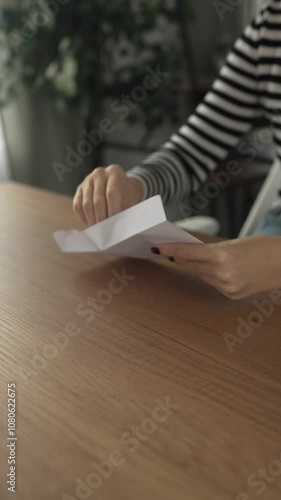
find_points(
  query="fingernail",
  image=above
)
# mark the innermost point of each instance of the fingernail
(171, 259)
(155, 250)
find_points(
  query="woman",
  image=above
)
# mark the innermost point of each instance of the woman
(249, 86)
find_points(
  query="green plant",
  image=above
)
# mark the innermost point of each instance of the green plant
(84, 52)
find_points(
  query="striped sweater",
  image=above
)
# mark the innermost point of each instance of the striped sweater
(248, 87)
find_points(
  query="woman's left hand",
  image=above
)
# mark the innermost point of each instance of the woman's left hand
(237, 268)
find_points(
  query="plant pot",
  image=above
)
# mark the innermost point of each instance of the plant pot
(37, 136)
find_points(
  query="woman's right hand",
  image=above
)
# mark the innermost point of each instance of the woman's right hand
(106, 192)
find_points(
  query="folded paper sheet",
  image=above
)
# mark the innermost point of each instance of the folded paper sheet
(131, 233)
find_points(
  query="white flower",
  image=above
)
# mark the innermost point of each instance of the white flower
(124, 54)
(51, 71)
(164, 34)
(65, 44)
(65, 80)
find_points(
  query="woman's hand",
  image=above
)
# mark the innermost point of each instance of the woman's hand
(237, 268)
(105, 192)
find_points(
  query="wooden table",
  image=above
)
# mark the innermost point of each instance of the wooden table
(92, 381)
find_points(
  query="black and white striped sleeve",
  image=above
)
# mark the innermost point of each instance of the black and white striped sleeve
(183, 163)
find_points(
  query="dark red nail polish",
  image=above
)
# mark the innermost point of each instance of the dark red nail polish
(171, 259)
(155, 250)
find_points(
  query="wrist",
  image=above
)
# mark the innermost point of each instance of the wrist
(139, 188)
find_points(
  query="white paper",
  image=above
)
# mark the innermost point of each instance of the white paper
(131, 233)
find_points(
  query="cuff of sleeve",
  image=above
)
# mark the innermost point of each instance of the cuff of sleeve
(145, 187)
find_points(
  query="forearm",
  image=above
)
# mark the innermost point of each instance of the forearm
(269, 275)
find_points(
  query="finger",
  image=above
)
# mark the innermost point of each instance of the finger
(190, 252)
(199, 268)
(77, 205)
(99, 195)
(87, 203)
(114, 199)
(204, 272)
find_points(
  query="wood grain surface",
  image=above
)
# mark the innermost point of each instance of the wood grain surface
(98, 360)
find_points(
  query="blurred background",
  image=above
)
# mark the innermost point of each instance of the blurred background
(73, 70)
